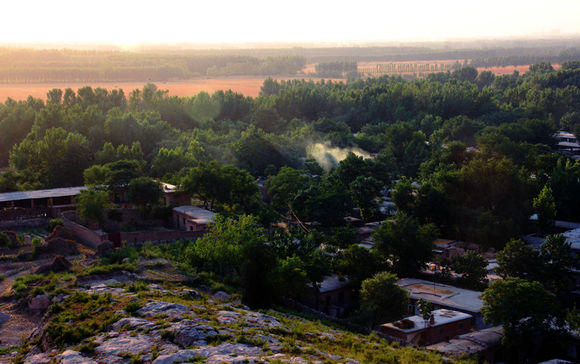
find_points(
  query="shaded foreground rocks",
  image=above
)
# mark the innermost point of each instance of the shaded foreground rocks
(58, 264)
(198, 330)
(59, 246)
(39, 303)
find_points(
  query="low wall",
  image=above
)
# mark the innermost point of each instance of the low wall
(140, 237)
(31, 223)
(86, 236)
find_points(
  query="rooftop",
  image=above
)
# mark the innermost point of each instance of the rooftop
(331, 283)
(471, 343)
(443, 294)
(168, 188)
(573, 237)
(38, 194)
(197, 214)
(442, 317)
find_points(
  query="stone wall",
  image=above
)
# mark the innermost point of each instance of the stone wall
(85, 235)
(31, 223)
(140, 237)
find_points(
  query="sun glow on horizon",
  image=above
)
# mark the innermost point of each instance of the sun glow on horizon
(130, 23)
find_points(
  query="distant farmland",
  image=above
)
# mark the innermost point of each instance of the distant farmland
(249, 86)
(421, 68)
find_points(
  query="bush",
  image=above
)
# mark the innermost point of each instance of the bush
(36, 242)
(54, 223)
(4, 240)
(132, 307)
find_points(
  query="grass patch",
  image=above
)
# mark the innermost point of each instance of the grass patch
(79, 317)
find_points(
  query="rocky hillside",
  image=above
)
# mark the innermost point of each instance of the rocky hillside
(115, 314)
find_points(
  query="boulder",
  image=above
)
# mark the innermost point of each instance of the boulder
(224, 353)
(58, 246)
(58, 264)
(39, 303)
(74, 357)
(188, 333)
(62, 232)
(124, 343)
(105, 247)
(133, 323)
(4, 317)
(181, 356)
(222, 296)
(164, 308)
(190, 293)
(41, 358)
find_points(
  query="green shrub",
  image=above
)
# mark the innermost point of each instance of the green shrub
(54, 223)
(36, 242)
(132, 307)
(4, 240)
(137, 286)
(80, 316)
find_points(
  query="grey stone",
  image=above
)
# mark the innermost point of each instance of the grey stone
(74, 357)
(190, 293)
(124, 344)
(164, 308)
(4, 317)
(224, 353)
(178, 357)
(41, 358)
(222, 296)
(228, 317)
(39, 303)
(133, 322)
(188, 333)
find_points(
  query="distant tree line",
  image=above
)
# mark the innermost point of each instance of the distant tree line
(28, 66)
(525, 59)
(336, 68)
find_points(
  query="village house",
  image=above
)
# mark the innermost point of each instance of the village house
(567, 143)
(441, 326)
(486, 344)
(445, 296)
(36, 206)
(334, 296)
(192, 218)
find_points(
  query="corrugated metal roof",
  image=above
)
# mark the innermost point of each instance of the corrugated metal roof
(29, 195)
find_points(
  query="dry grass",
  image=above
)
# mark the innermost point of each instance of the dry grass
(505, 70)
(249, 86)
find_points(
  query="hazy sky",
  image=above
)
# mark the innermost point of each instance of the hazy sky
(130, 22)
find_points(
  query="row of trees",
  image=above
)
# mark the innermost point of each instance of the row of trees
(28, 65)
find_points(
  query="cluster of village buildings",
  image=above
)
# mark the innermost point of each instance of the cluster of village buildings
(455, 326)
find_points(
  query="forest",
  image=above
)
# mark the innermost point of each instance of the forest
(464, 155)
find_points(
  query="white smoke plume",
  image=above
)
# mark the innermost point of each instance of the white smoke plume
(328, 157)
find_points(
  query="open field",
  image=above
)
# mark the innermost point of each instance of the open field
(503, 70)
(422, 67)
(249, 86)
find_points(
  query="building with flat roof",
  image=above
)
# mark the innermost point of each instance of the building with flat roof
(445, 296)
(567, 143)
(442, 326)
(25, 205)
(486, 344)
(192, 218)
